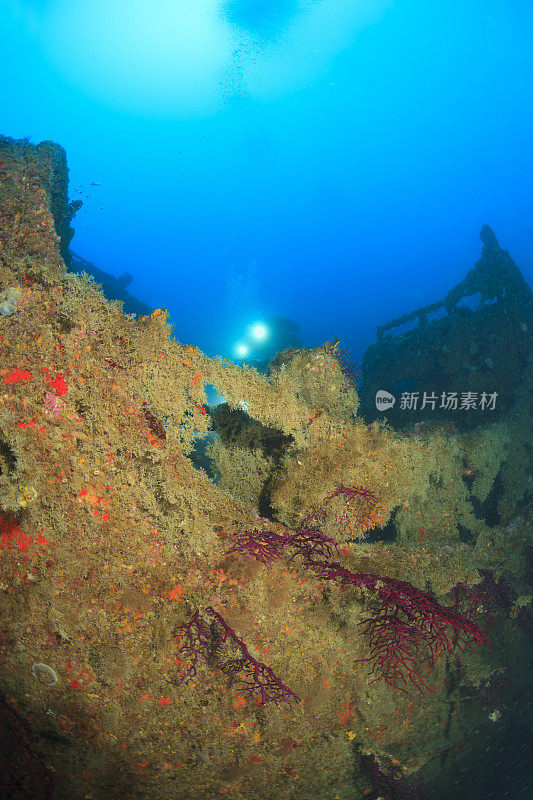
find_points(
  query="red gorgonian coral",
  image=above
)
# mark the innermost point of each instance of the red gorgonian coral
(253, 677)
(408, 629)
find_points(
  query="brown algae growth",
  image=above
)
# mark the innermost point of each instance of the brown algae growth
(112, 539)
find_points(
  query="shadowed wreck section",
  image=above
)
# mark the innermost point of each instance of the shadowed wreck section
(165, 635)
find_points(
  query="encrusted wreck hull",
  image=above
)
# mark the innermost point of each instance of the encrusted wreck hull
(112, 540)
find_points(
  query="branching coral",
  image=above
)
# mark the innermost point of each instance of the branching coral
(252, 676)
(410, 628)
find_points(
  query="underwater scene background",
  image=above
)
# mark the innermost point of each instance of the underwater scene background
(266, 400)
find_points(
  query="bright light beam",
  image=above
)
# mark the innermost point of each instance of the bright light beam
(259, 332)
(241, 350)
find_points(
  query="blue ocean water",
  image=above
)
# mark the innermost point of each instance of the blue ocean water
(329, 162)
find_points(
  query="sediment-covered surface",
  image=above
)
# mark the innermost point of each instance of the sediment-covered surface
(166, 636)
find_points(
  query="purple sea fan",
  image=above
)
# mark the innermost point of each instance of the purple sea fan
(264, 546)
(254, 677)
(196, 640)
(408, 621)
(311, 544)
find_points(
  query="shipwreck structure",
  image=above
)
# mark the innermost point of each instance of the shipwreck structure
(336, 616)
(476, 341)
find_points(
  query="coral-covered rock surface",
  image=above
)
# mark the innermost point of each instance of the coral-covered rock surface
(168, 634)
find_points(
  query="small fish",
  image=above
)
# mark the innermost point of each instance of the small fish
(95, 184)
